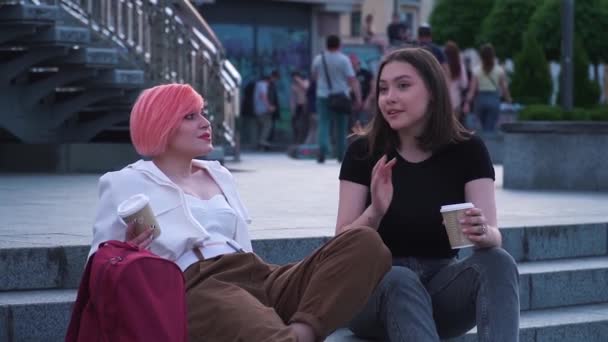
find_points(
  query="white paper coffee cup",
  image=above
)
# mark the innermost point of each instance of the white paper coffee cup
(451, 220)
(137, 209)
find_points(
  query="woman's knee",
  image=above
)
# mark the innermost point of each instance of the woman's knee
(496, 258)
(401, 282)
(368, 243)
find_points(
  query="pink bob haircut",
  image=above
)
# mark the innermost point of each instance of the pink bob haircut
(157, 114)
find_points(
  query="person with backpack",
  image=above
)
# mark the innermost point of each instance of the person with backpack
(335, 78)
(231, 294)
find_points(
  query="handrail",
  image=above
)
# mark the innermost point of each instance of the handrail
(171, 42)
(165, 40)
(193, 14)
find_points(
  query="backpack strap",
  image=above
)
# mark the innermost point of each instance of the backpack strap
(326, 72)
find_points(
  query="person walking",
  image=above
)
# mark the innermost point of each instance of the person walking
(457, 81)
(488, 85)
(300, 120)
(334, 74)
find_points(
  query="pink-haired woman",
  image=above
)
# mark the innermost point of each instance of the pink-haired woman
(232, 295)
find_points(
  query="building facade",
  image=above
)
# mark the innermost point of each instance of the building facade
(411, 12)
(260, 36)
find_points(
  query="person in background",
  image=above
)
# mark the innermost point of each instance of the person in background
(311, 97)
(396, 31)
(342, 76)
(425, 40)
(366, 80)
(413, 158)
(368, 30)
(231, 294)
(457, 81)
(300, 119)
(488, 84)
(263, 112)
(273, 98)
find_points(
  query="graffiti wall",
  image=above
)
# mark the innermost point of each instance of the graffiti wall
(257, 50)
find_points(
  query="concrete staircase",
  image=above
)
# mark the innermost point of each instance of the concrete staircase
(563, 284)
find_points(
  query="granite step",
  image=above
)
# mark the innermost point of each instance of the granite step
(537, 243)
(44, 316)
(556, 283)
(41, 315)
(543, 284)
(588, 323)
(45, 267)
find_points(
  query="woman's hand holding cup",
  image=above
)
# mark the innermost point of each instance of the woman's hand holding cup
(476, 229)
(141, 240)
(142, 226)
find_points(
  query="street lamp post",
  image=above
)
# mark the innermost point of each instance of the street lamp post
(566, 53)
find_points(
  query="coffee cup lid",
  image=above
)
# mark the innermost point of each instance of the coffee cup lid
(458, 206)
(132, 205)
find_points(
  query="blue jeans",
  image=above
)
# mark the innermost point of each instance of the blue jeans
(424, 299)
(487, 108)
(326, 116)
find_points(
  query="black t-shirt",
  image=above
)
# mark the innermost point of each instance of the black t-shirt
(412, 226)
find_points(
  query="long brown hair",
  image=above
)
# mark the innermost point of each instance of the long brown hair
(442, 127)
(452, 53)
(487, 57)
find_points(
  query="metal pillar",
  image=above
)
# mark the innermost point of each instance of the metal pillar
(566, 82)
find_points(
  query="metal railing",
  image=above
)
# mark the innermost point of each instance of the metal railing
(171, 42)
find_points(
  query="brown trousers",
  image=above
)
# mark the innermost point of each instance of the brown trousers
(239, 297)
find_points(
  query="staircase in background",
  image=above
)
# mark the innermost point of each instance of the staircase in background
(70, 70)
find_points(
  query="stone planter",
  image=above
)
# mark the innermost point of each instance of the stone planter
(556, 155)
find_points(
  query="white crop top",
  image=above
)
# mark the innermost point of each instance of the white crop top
(220, 221)
(215, 214)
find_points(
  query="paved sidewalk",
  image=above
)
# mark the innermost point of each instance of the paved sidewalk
(286, 198)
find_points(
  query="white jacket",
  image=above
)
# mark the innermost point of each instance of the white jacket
(180, 232)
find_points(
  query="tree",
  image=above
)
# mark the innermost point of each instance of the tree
(590, 21)
(531, 82)
(459, 20)
(505, 24)
(586, 91)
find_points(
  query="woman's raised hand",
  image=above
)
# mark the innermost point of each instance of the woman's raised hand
(142, 240)
(382, 185)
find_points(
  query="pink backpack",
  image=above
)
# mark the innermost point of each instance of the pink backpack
(129, 294)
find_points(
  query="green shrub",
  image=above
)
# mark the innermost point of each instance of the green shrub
(555, 113)
(577, 114)
(497, 27)
(459, 20)
(590, 22)
(599, 114)
(541, 113)
(531, 82)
